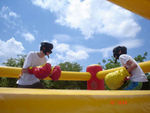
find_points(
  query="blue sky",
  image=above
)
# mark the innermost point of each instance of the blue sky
(82, 31)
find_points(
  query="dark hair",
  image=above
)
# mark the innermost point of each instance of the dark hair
(116, 51)
(46, 47)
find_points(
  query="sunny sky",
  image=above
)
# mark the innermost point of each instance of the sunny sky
(82, 31)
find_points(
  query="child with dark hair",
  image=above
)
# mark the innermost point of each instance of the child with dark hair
(137, 76)
(36, 67)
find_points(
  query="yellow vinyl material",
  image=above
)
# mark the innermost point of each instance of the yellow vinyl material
(115, 80)
(140, 7)
(15, 100)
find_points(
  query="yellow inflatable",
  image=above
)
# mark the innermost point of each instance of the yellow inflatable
(115, 80)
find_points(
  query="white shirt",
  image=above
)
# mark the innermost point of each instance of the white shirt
(31, 60)
(137, 74)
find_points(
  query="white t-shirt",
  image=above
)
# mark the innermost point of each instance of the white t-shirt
(137, 74)
(31, 60)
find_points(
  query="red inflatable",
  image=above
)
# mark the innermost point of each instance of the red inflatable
(40, 72)
(45, 70)
(94, 83)
(56, 72)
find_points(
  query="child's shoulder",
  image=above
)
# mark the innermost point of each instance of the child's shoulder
(32, 53)
(125, 56)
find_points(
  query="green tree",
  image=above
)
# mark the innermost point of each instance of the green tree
(13, 62)
(110, 63)
(67, 66)
(141, 58)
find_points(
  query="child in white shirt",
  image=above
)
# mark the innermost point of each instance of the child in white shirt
(34, 59)
(137, 76)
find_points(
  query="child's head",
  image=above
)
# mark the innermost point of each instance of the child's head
(46, 47)
(119, 50)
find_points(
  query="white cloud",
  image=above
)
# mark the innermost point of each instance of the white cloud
(62, 37)
(6, 13)
(10, 48)
(92, 17)
(9, 17)
(77, 55)
(13, 14)
(65, 52)
(28, 36)
(133, 43)
(52, 5)
(13, 21)
(74, 53)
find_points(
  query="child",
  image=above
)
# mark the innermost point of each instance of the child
(33, 59)
(137, 76)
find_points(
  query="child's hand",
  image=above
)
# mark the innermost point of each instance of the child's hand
(125, 66)
(25, 70)
(127, 78)
(128, 69)
(20, 76)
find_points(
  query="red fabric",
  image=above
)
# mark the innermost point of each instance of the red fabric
(56, 73)
(30, 70)
(41, 72)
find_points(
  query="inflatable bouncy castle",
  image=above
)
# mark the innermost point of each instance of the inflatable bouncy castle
(93, 100)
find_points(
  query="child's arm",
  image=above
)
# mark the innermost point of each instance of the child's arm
(131, 66)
